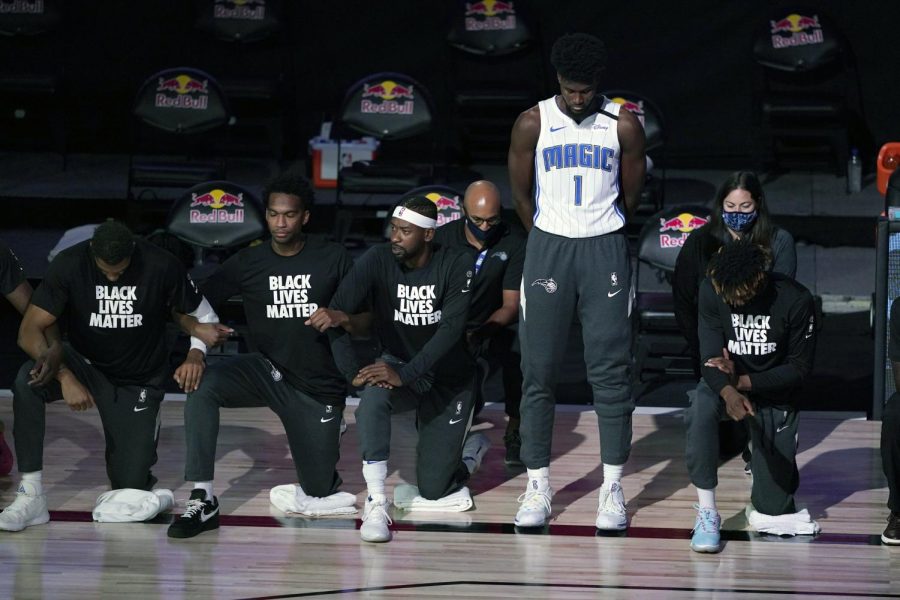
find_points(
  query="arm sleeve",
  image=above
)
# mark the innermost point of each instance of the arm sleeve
(801, 340)
(225, 281)
(784, 254)
(350, 295)
(512, 279)
(685, 291)
(450, 332)
(711, 335)
(11, 273)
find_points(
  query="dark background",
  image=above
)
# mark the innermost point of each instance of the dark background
(693, 58)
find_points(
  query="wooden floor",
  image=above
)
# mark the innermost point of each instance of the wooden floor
(260, 553)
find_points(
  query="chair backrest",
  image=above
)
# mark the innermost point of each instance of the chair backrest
(183, 101)
(387, 106)
(797, 41)
(489, 27)
(29, 17)
(241, 20)
(664, 234)
(217, 214)
(647, 112)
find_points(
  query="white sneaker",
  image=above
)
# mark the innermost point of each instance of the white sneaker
(611, 512)
(535, 508)
(376, 520)
(29, 508)
(476, 446)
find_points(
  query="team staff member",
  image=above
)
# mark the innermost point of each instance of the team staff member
(283, 284)
(585, 160)
(890, 434)
(497, 253)
(757, 340)
(17, 290)
(116, 293)
(420, 299)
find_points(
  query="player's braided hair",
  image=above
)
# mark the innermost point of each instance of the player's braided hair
(738, 271)
(112, 242)
(579, 57)
(293, 182)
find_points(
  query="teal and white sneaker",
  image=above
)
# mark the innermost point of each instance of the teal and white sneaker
(706, 535)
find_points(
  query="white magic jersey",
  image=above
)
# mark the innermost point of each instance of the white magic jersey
(576, 167)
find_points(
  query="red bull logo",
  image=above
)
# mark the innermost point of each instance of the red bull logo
(387, 97)
(182, 91)
(684, 224)
(636, 107)
(448, 208)
(250, 10)
(222, 207)
(796, 30)
(490, 15)
(22, 7)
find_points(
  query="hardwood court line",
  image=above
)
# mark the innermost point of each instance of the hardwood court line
(667, 533)
(580, 586)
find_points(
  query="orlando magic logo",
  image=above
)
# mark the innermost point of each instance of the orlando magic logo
(613, 279)
(547, 284)
(275, 373)
(501, 255)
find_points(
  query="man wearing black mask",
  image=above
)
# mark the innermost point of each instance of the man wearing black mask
(497, 254)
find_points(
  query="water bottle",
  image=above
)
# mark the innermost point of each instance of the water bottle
(854, 172)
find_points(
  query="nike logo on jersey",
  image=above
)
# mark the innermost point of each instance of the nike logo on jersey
(324, 420)
(782, 428)
(136, 409)
(611, 294)
(455, 421)
(555, 129)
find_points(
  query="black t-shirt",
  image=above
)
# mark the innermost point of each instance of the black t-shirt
(11, 273)
(279, 294)
(119, 326)
(419, 314)
(771, 338)
(501, 266)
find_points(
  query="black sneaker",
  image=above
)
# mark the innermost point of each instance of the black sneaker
(891, 533)
(513, 442)
(199, 516)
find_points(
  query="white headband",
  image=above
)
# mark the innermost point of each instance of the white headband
(401, 212)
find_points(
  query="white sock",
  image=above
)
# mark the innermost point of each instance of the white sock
(34, 478)
(206, 486)
(375, 472)
(541, 477)
(707, 498)
(612, 474)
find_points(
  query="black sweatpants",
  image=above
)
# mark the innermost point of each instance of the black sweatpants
(590, 277)
(500, 353)
(443, 415)
(129, 414)
(773, 432)
(313, 429)
(890, 449)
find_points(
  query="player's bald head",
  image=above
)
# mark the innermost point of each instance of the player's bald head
(482, 197)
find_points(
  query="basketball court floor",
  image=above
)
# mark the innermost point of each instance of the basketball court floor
(260, 552)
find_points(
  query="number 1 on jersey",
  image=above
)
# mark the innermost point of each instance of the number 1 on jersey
(577, 190)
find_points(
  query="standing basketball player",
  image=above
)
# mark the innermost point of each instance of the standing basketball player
(585, 160)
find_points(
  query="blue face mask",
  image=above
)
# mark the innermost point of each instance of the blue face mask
(739, 221)
(485, 237)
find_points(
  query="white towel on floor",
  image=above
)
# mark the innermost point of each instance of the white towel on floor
(129, 505)
(798, 523)
(291, 498)
(407, 497)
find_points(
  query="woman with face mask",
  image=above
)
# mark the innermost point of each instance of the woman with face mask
(740, 211)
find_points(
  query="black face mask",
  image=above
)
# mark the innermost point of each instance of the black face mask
(483, 236)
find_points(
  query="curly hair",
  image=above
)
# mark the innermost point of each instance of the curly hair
(738, 271)
(291, 182)
(112, 242)
(579, 57)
